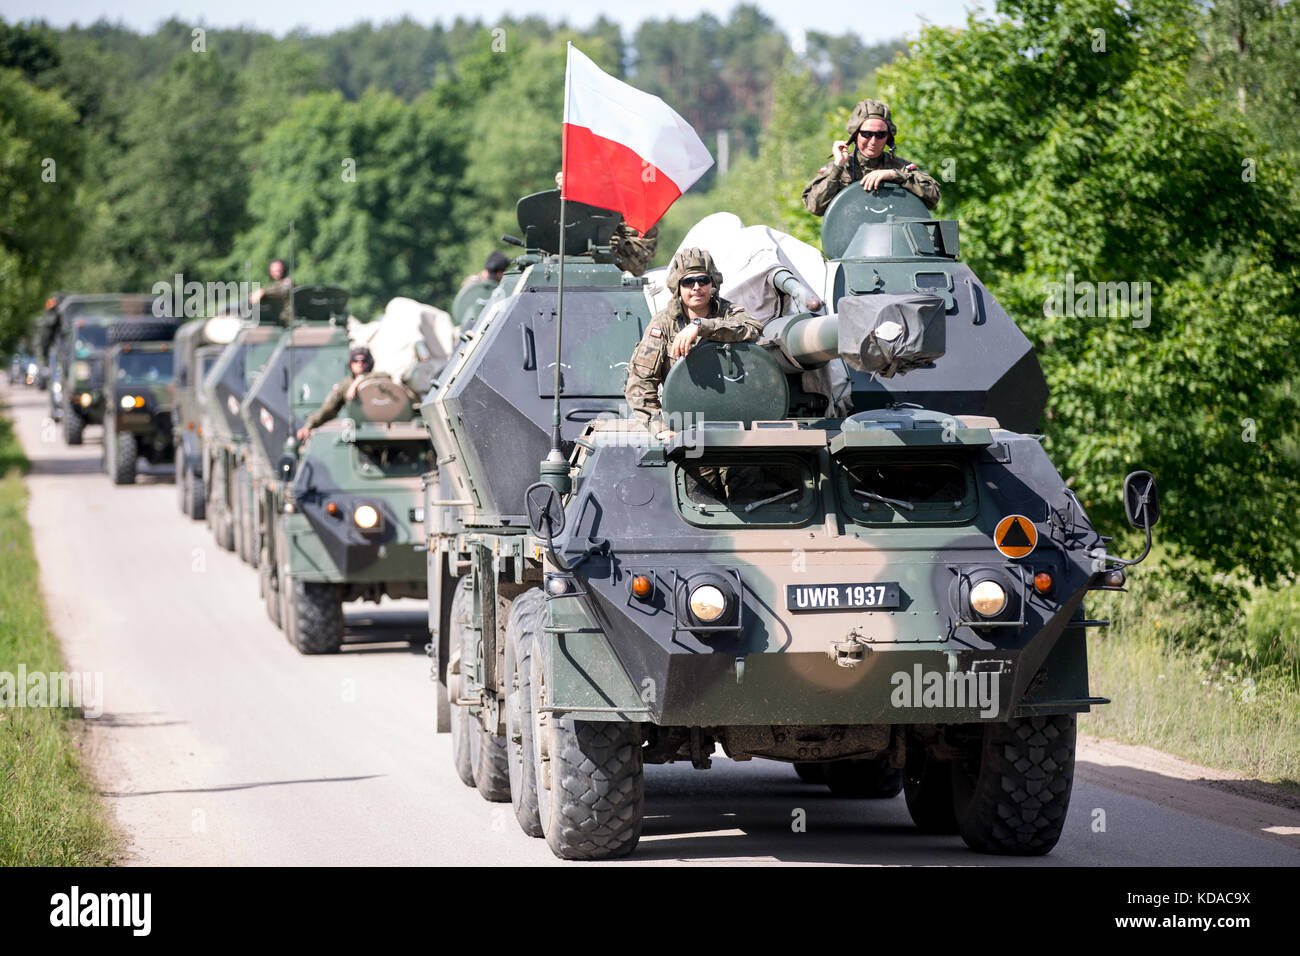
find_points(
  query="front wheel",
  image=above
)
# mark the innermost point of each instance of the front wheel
(316, 612)
(461, 720)
(1011, 790)
(522, 629)
(73, 424)
(590, 778)
(125, 452)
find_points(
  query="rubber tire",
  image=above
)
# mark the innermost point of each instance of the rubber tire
(461, 729)
(197, 494)
(270, 592)
(927, 788)
(487, 750)
(871, 779)
(316, 610)
(182, 482)
(810, 772)
(142, 330)
(523, 627)
(1011, 795)
(125, 452)
(595, 805)
(239, 524)
(73, 424)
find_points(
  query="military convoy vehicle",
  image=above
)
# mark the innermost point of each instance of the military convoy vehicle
(138, 405)
(892, 599)
(198, 345)
(339, 518)
(81, 337)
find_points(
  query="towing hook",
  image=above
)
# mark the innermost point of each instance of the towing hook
(851, 651)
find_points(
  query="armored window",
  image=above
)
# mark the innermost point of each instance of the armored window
(395, 457)
(745, 490)
(898, 490)
(144, 368)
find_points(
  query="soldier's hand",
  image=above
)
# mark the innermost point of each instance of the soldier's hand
(352, 389)
(303, 433)
(840, 150)
(665, 435)
(872, 180)
(683, 341)
(255, 296)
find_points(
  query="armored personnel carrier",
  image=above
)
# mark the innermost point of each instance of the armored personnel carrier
(887, 598)
(339, 518)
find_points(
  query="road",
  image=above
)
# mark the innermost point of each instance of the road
(220, 744)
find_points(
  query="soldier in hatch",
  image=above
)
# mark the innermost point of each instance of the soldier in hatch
(864, 158)
(697, 312)
(361, 366)
(275, 297)
(633, 251)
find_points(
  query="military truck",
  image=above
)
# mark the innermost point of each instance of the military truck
(888, 599)
(198, 345)
(82, 335)
(138, 403)
(340, 517)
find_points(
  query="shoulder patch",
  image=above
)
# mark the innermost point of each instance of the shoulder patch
(911, 167)
(656, 332)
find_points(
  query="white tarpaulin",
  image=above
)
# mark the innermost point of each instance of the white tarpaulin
(407, 334)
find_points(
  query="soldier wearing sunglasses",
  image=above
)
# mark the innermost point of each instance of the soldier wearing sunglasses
(697, 312)
(864, 158)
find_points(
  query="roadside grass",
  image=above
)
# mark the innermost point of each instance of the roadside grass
(1222, 690)
(50, 814)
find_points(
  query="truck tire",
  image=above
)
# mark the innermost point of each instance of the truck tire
(590, 778)
(461, 721)
(197, 494)
(270, 590)
(316, 610)
(524, 624)
(487, 749)
(73, 424)
(142, 330)
(872, 779)
(927, 788)
(125, 452)
(1012, 790)
(810, 772)
(182, 486)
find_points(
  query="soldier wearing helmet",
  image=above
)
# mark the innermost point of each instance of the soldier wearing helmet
(361, 366)
(696, 312)
(868, 157)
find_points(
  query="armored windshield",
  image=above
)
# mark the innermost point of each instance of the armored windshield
(144, 368)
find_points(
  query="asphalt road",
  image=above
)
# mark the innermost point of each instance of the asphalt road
(220, 744)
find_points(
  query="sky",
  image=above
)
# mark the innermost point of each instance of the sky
(874, 21)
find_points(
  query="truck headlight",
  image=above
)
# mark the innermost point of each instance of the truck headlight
(988, 598)
(81, 370)
(366, 516)
(707, 603)
(128, 401)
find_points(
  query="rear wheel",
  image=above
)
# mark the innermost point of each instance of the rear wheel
(927, 788)
(522, 628)
(182, 482)
(460, 718)
(590, 778)
(125, 452)
(270, 589)
(316, 611)
(1011, 790)
(873, 778)
(197, 495)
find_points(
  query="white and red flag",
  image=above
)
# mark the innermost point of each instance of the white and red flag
(624, 149)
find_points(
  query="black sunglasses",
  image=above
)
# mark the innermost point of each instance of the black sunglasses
(874, 133)
(691, 282)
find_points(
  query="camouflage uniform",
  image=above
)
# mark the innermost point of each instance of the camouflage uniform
(633, 252)
(335, 400)
(275, 299)
(830, 179)
(650, 361)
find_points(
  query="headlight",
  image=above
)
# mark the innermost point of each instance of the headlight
(988, 598)
(85, 399)
(81, 370)
(128, 401)
(707, 603)
(366, 516)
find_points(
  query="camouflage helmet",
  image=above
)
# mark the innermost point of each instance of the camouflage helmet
(865, 111)
(688, 262)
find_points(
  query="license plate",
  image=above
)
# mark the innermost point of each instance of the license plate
(878, 596)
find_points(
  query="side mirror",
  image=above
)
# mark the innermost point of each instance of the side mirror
(1141, 500)
(545, 510)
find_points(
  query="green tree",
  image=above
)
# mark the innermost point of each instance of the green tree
(40, 161)
(372, 188)
(1076, 148)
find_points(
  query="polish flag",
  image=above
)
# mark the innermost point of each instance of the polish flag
(624, 149)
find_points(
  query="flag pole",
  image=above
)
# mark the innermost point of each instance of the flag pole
(555, 469)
